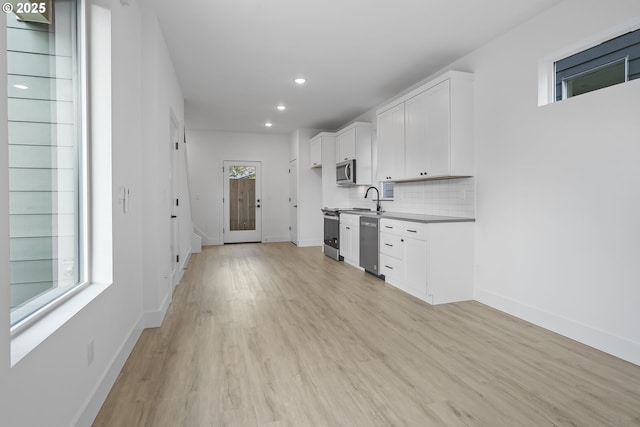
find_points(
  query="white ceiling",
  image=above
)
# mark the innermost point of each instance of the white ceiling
(236, 59)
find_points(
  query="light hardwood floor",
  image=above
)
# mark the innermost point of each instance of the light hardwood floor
(274, 335)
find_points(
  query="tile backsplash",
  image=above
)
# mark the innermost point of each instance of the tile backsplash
(449, 197)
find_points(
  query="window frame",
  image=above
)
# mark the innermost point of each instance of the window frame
(81, 183)
(565, 79)
(546, 64)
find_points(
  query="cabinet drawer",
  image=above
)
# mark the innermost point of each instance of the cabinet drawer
(350, 220)
(390, 226)
(391, 267)
(391, 244)
(414, 230)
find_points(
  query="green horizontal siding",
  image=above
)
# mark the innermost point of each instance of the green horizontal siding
(25, 156)
(33, 64)
(42, 225)
(40, 248)
(24, 133)
(23, 292)
(41, 180)
(43, 88)
(36, 110)
(32, 271)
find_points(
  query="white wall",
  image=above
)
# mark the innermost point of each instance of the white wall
(310, 221)
(206, 150)
(54, 384)
(557, 198)
(162, 99)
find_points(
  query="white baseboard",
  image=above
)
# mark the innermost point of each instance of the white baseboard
(196, 243)
(184, 265)
(99, 394)
(212, 242)
(153, 319)
(616, 346)
(272, 239)
(306, 243)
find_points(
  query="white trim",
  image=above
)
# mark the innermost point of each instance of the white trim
(306, 243)
(153, 319)
(601, 340)
(277, 238)
(98, 395)
(31, 337)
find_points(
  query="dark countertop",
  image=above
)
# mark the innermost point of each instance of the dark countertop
(409, 217)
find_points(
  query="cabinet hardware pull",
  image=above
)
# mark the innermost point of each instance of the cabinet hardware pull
(390, 268)
(412, 231)
(402, 240)
(348, 228)
(387, 226)
(386, 244)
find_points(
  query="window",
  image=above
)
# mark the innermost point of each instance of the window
(46, 189)
(612, 62)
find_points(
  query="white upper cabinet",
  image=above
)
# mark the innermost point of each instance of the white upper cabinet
(315, 152)
(435, 134)
(354, 142)
(391, 127)
(346, 145)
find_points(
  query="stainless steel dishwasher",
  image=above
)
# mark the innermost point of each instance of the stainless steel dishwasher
(369, 245)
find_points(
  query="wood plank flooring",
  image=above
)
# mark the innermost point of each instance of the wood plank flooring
(274, 335)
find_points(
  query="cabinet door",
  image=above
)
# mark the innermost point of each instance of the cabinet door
(416, 136)
(354, 234)
(346, 146)
(315, 154)
(345, 241)
(391, 144)
(414, 264)
(438, 119)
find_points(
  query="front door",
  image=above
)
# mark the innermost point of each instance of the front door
(242, 202)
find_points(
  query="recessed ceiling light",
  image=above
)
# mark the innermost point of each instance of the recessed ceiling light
(300, 80)
(268, 124)
(281, 107)
(23, 87)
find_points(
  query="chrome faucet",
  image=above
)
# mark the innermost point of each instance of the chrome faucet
(378, 207)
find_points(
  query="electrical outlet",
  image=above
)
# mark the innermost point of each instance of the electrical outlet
(90, 353)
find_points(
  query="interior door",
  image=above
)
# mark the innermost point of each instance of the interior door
(242, 202)
(293, 201)
(174, 185)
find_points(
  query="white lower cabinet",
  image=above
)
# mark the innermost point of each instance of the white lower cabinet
(350, 238)
(432, 261)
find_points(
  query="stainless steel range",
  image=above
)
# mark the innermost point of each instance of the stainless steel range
(332, 233)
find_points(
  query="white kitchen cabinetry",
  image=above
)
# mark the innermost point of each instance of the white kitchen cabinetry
(350, 238)
(354, 142)
(437, 135)
(346, 145)
(391, 143)
(432, 261)
(315, 152)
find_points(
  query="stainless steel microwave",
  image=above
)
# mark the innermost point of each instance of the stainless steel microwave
(346, 172)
